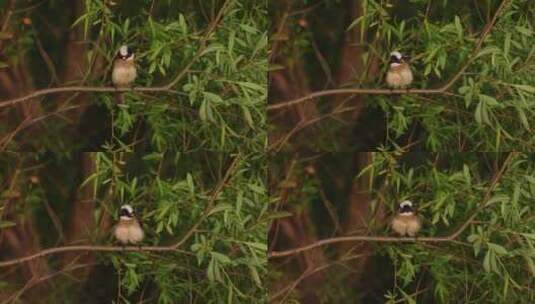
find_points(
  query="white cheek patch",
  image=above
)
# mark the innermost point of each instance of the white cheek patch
(396, 54)
(394, 64)
(128, 208)
(123, 50)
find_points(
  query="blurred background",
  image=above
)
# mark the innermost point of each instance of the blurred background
(321, 196)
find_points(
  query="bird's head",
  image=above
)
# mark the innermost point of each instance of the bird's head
(396, 58)
(126, 213)
(406, 208)
(125, 53)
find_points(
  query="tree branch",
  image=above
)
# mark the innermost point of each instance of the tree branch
(363, 238)
(173, 247)
(441, 90)
(35, 94)
(55, 250)
(163, 88)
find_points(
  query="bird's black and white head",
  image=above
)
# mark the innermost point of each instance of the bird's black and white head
(396, 58)
(126, 213)
(406, 208)
(125, 53)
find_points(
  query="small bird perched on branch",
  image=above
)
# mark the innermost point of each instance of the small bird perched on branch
(406, 222)
(128, 229)
(124, 70)
(399, 73)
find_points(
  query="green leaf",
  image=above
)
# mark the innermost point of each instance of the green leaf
(191, 185)
(489, 100)
(223, 259)
(211, 270)
(524, 30)
(478, 116)
(497, 198)
(458, 27)
(525, 87)
(529, 235)
(253, 86)
(500, 250)
(279, 214)
(220, 207)
(486, 261)
(472, 238)
(257, 245)
(255, 275)
(247, 116)
(213, 97)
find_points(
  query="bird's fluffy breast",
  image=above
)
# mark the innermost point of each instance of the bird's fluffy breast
(123, 73)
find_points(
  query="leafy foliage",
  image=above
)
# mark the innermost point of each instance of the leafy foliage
(189, 158)
(214, 55)
(490, 108)
(490, 261)
(212, 202)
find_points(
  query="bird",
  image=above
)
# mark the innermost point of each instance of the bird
(406, 222)
(124, 69)
(399, 73)
(128, 230)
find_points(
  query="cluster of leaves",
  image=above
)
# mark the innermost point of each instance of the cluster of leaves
(490, 261)
(214, 202)
(496, 251)
(220, 105)
(489, 108)
(172, 194)
(214, 54)
(169, 152)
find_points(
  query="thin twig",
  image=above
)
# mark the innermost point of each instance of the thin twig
(441, 90)
(364, 238)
